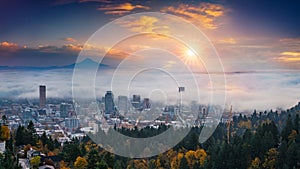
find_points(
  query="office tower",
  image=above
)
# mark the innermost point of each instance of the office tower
(146, 103)
(122, 104)
(136, 101)
(64, 110)
(42, 96)
(109, 103)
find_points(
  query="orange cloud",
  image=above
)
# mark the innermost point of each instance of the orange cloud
(230, 41)
(289, 56)
(203, 15)
(147, 24)
(294, 54)
(6, 44)
(71, 40)
(121, 9)
(71, 47)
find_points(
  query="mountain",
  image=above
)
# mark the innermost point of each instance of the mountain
(83, 64)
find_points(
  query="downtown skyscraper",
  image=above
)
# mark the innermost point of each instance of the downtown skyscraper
(42, 99)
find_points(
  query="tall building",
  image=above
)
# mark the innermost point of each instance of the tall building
(136, 101)
(122, 104)
(64, 110)
(42, 96)
(146, 103)
(109, 103)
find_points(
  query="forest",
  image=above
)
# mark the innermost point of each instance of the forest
(267, 140)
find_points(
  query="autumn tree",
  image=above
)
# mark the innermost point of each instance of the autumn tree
(35, 161)
(270, 159)
(255, 164)
(5, 132)
(80, 163)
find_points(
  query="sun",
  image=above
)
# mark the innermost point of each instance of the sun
(190, 53)
(189, 57)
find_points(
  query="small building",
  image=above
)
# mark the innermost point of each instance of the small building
(32, 153)
(2, 147)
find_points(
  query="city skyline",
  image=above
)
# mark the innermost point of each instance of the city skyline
(259, 49)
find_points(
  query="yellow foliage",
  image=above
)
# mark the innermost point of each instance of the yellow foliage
(176, 161)
(270, 159)
(80, 163)
(63, 165)
(293, 135)
(190, 157)
(245, 124)
(5, 135)
(35, 161)
(141, 164)
(201, 155)
(255, 164)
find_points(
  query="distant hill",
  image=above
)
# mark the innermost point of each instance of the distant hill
(83, 64)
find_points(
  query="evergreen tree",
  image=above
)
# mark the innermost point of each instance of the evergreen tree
(183, 163)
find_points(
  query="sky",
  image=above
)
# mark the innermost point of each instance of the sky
(258, 43)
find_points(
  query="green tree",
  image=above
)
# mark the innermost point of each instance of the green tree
(183, 163)
(93, 158)
(102, 165)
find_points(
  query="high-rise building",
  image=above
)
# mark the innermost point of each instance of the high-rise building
(136, 101)
(42, 96)
(123, 104)
(109, 103)
(64, 110)
(146, 103)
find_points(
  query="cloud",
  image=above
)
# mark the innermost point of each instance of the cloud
(102, 1)
(64, 2)
(289, 56)
(294, 54)
(38, 56)
(204, 15)
(71, 40)
(72, 48)
(8, 45)
(230, 41)
(144, 24)
(121, 9)
(290, 40)
(247, 91)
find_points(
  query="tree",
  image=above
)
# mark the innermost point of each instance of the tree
(287, 129)
(176, 161)
(5, 133)
(63, 165)
(35, 161)
(201, 155)
(93, 158)
(183, 163)
(190, 157)
(270, 159)
(102, 165)
(80, 163)
(255, 164)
